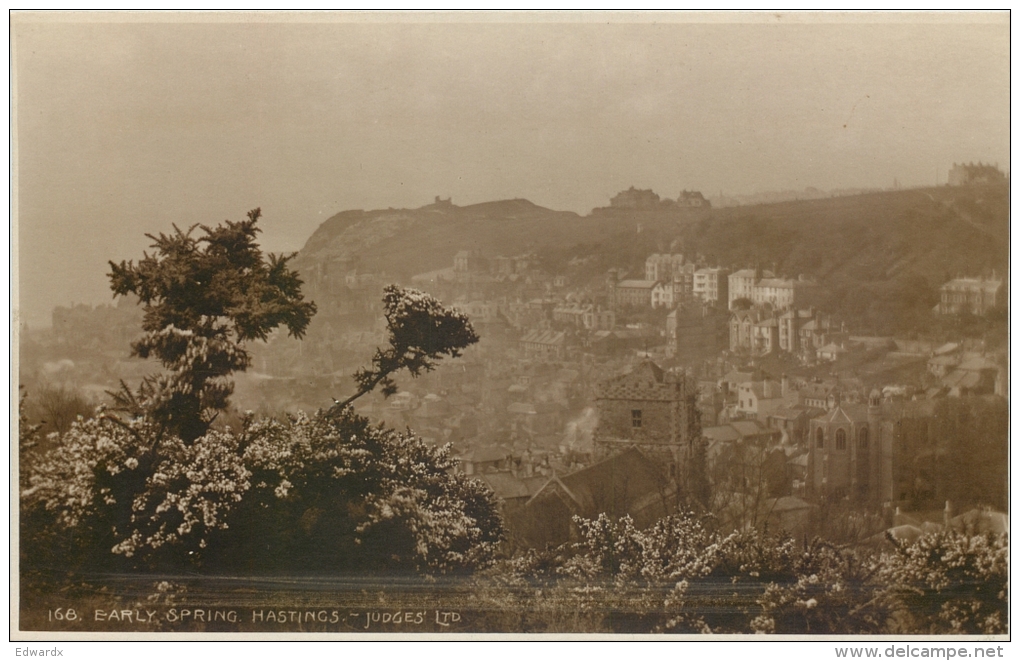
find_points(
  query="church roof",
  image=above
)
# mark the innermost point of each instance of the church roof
(848, 413)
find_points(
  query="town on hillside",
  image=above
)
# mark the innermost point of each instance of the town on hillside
(641, 386)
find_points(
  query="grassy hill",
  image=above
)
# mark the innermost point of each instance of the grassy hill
(881, 256)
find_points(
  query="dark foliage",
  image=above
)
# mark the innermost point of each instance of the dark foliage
(203, 299)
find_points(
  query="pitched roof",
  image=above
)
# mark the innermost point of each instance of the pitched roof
(799, 460)
(977, 363)
(636, 284)
(646, 370)
(487, 453)
(787, 413)
(845, 413)
(534, 483)
(777, 282)
(817, 390)
(544, 337)
(505, 485)
(789, 503)
(614, 485)
(962, 379)
(721, 433)
(758, 388)
(735, 376)
(748, 427)
(978, 521)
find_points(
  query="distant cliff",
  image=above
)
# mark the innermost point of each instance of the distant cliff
(895, 245)
(403, 242)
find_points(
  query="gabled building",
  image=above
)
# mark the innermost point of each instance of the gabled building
(869, 454)
(662, 295)
(843, 460)
(758, 399)
(624, 484)
(630, 293)
(546, 344)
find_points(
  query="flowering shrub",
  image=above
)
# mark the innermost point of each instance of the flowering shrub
(189, 494)
(828, 590)
(140, 492)
(677, 576)
(952, 583)
(321, 492)
(361, 497)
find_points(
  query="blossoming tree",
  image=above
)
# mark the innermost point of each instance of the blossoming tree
(162, 489)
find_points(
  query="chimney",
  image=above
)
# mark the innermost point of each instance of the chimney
(947, 514)
(784, 385)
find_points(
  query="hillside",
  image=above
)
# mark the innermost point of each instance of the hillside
(881, 255)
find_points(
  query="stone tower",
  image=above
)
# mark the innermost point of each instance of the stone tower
(656, 412)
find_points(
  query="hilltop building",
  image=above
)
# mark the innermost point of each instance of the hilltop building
(962, 175)
(973, 295)
(692, 199)
(634, 198)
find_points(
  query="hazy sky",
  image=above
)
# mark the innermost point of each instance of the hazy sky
(125, 128)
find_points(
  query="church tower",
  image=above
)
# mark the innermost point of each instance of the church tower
(656, 412)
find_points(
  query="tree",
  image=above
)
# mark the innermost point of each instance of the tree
(204, 298)
(327, 491)
(742, 303)
(421, 331)
(59, 406)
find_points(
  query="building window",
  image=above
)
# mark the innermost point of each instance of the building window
(820, 439)
(635, 418)
(840, 439)
(862, 440)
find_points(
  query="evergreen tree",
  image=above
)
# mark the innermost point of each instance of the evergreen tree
(204, 298)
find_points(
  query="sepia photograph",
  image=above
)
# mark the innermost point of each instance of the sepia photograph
(511, 326)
